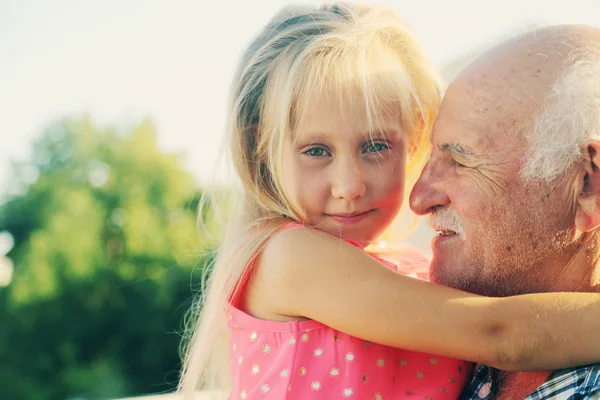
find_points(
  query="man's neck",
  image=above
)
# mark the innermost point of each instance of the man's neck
(578, 271)
(581, 273)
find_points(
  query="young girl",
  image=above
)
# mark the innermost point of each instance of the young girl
(330, 108)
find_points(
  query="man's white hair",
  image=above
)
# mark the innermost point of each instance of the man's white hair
(570, 117)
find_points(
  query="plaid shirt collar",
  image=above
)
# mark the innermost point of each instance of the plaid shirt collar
(572, 384)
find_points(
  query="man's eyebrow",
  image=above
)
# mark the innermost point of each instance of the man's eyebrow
(455, 149)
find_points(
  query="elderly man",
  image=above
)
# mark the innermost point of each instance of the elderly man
(513, 187)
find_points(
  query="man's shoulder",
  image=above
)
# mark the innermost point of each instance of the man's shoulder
(573, 383)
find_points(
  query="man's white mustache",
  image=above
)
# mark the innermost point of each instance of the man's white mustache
(446, 219)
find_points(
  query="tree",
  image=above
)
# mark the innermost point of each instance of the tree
(105, 253)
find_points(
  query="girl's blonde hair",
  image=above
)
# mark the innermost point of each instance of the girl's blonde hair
(367, 58)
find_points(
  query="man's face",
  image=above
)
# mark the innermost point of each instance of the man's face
(495, 230)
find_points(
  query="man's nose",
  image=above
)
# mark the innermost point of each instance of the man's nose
(428, 193)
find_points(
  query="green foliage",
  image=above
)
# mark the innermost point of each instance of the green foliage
(105, 253)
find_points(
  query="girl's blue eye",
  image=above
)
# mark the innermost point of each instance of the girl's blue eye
(376, 147)
(316, 152)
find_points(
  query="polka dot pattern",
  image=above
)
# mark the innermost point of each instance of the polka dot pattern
(308, 360)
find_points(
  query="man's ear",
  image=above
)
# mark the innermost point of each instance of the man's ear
(587, 217)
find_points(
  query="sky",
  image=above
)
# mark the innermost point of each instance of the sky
(118, 61)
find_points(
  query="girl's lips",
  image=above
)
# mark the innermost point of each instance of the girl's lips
(350, 218)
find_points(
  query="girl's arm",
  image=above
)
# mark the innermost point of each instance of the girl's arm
(311, 274)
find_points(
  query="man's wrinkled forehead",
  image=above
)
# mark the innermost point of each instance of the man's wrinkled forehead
(495, 100)
(464, 117)
(514, 79)
(492, 101)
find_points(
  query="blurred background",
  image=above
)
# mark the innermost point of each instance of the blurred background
(111, 119)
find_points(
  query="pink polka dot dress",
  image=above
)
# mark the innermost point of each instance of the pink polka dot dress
(309, 360)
